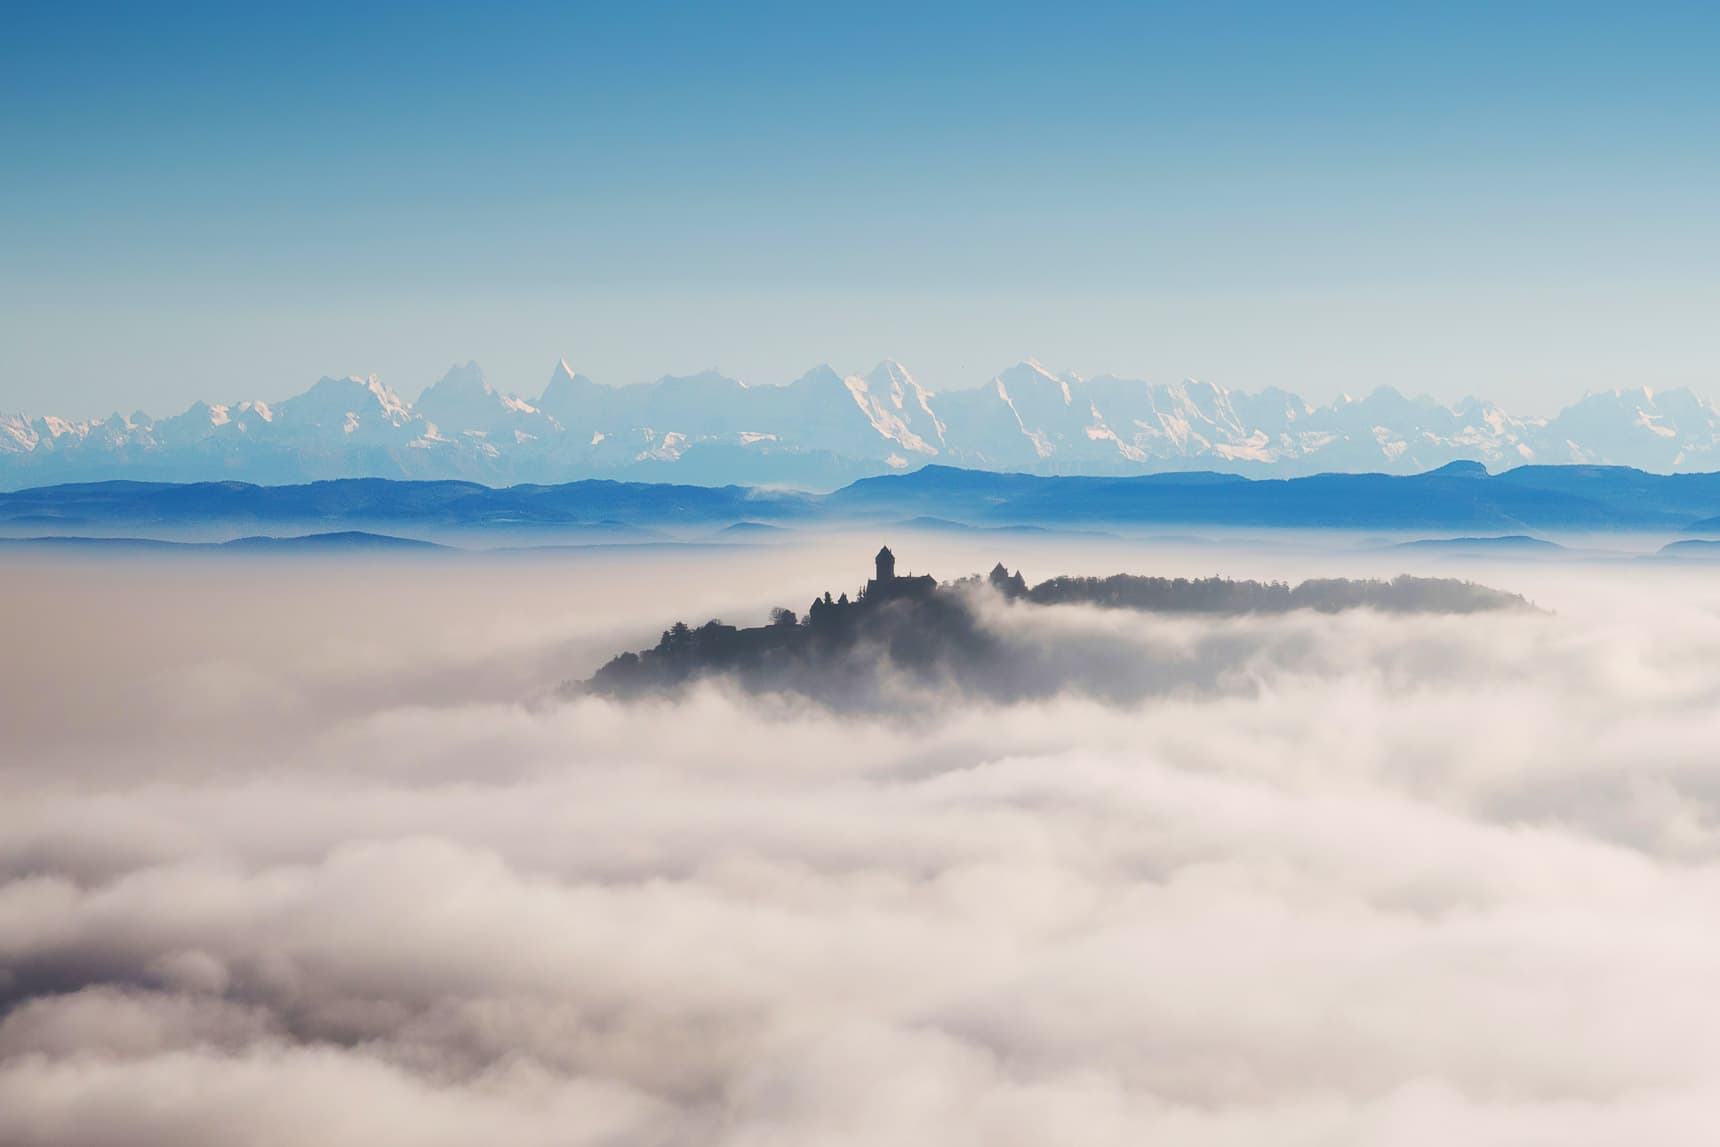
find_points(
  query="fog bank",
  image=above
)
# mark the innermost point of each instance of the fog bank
(313, 856)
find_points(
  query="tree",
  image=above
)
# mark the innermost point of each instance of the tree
(783, 617)
(676, 638)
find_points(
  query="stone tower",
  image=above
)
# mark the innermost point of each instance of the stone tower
(886, 566)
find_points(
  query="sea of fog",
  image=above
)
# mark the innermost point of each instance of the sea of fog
(309, 851)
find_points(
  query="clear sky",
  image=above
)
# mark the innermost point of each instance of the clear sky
(1520, 200)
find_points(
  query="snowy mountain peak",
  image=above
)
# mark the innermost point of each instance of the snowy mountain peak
(1029, 369)
(467, 376)
(891, 373)
(822, 375)
(349, 403)
(826, 428)
(463, 401)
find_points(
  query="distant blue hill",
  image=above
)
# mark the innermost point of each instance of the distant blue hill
(345, 541)
(342, 540)
(376, 501)
(1509, 544)
(754, 528)
(1706, 549)
(1460, 498)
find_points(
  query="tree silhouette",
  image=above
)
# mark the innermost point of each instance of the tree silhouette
(938, 635)
(677, 638)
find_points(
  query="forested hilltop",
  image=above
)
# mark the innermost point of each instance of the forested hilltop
(840, 649)
(1402, 594)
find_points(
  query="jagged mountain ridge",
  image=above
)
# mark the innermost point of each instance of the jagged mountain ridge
(826, 429)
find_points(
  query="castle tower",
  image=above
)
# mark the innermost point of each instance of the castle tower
(886, 566)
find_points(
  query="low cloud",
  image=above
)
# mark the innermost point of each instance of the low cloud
(1322, 879)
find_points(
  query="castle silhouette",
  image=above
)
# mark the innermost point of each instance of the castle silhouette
(885, 584)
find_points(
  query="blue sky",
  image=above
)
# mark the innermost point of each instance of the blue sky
(221, 201)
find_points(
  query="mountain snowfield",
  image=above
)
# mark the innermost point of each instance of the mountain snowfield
(824, 429)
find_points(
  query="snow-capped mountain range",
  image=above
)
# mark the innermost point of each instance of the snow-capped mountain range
(825, 429)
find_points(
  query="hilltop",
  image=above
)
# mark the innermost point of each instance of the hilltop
(843, 651)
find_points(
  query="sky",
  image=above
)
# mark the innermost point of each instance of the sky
(229, 201)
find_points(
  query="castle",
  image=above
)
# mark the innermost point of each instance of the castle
(887, 585)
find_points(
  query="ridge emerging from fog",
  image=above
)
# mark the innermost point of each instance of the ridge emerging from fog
(905, 638)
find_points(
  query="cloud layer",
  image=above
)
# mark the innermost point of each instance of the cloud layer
(313, 861)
